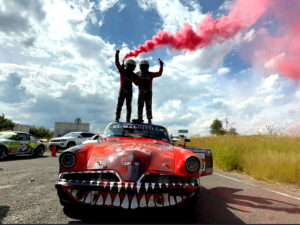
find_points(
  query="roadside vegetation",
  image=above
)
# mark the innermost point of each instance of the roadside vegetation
(270, 157)
(267, 158)
(39, 132)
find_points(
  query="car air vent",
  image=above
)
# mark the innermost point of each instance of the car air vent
(91, 176)
(166, 179)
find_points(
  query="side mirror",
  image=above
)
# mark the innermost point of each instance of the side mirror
(79, 136)
(185, 141)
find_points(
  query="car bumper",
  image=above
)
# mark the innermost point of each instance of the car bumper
(58, 146)
(127, 195)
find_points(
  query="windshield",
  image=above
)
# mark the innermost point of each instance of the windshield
(137, 130)
(7, 136)
(95, 137)
(71, 135)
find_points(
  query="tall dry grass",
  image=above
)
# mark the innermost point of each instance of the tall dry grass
(268, 158)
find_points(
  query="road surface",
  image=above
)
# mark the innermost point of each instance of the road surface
(28, 195)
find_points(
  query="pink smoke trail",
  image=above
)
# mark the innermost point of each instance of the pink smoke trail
(243, 14)
(280, 52)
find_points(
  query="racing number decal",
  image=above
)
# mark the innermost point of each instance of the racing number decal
(24, 147)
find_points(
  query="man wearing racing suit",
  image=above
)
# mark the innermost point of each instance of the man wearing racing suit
(144, 82)
(126, 77)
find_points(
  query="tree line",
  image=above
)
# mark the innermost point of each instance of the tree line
(216, 128)
(39, 132)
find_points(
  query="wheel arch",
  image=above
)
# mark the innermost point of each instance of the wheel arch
(5, 148)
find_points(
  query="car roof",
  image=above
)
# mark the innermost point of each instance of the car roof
(79, 132)
(13, 132)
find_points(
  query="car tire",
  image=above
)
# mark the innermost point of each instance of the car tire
(70, 144)
(39, 151)
(3, 152)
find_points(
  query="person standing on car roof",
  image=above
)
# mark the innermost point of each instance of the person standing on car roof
(126, 77)
(144, 82)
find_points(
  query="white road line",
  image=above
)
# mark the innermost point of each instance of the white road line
(221, 175)
(6, 186)
(267, 189)
(280, 193)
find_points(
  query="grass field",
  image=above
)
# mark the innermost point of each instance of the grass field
(266, 158)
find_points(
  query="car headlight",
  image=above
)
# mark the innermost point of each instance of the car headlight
(67, 160)
(192, 164)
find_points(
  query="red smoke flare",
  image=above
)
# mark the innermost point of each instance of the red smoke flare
(243, 14)
(280, 52)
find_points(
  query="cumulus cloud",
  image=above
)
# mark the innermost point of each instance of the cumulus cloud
(51, 69)
(189, 12)
(55, 71)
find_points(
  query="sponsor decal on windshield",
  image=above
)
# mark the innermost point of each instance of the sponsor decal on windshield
(138, 127)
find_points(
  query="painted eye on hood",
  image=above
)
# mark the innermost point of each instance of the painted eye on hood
(192, 164)
(67, 160)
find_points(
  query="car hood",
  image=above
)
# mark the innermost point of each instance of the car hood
(61, 138)
(90, 141)
(131, 159)
(5, 140)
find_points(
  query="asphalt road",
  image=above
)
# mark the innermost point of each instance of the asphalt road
(28, 195)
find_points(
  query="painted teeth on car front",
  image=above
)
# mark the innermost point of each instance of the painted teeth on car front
(105, 188)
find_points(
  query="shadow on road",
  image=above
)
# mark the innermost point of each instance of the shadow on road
(22, 157)
(214, 206)
(230, 196)
(209, 209)
(3, 212)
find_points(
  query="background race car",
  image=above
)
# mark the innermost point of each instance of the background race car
(18, 143)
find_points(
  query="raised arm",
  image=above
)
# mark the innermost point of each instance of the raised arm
(117, 61)
(159, 73)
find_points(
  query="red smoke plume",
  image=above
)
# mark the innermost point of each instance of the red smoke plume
(243, 14)
(280, 51)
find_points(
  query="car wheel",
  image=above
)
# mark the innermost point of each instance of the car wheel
(39, 151)
(2, 152)
(71, 144)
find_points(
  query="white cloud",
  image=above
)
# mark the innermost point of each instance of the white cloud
(51, 69)
(104, 5)
(61, 72)
(173, 13)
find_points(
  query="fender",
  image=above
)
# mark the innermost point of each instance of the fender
(5, 147)
(206, 157)
(34, 148)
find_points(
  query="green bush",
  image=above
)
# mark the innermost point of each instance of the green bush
(41, 132)
(267, 158)
(6, 124)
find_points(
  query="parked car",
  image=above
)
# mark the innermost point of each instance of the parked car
(133, 166)
(20, 143)
(93, 139)
(69, 140)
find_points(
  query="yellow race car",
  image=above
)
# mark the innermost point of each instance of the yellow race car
(19, 143)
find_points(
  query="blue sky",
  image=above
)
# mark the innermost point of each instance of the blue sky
(57, 64)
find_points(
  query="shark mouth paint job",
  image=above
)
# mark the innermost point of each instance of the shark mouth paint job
(151, 190)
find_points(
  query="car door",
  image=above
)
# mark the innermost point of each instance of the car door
(23, 140)
(79, 139)
(14, 146)
(85, 136)
(33, 142)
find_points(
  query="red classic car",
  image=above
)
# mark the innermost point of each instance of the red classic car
(132, 166)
